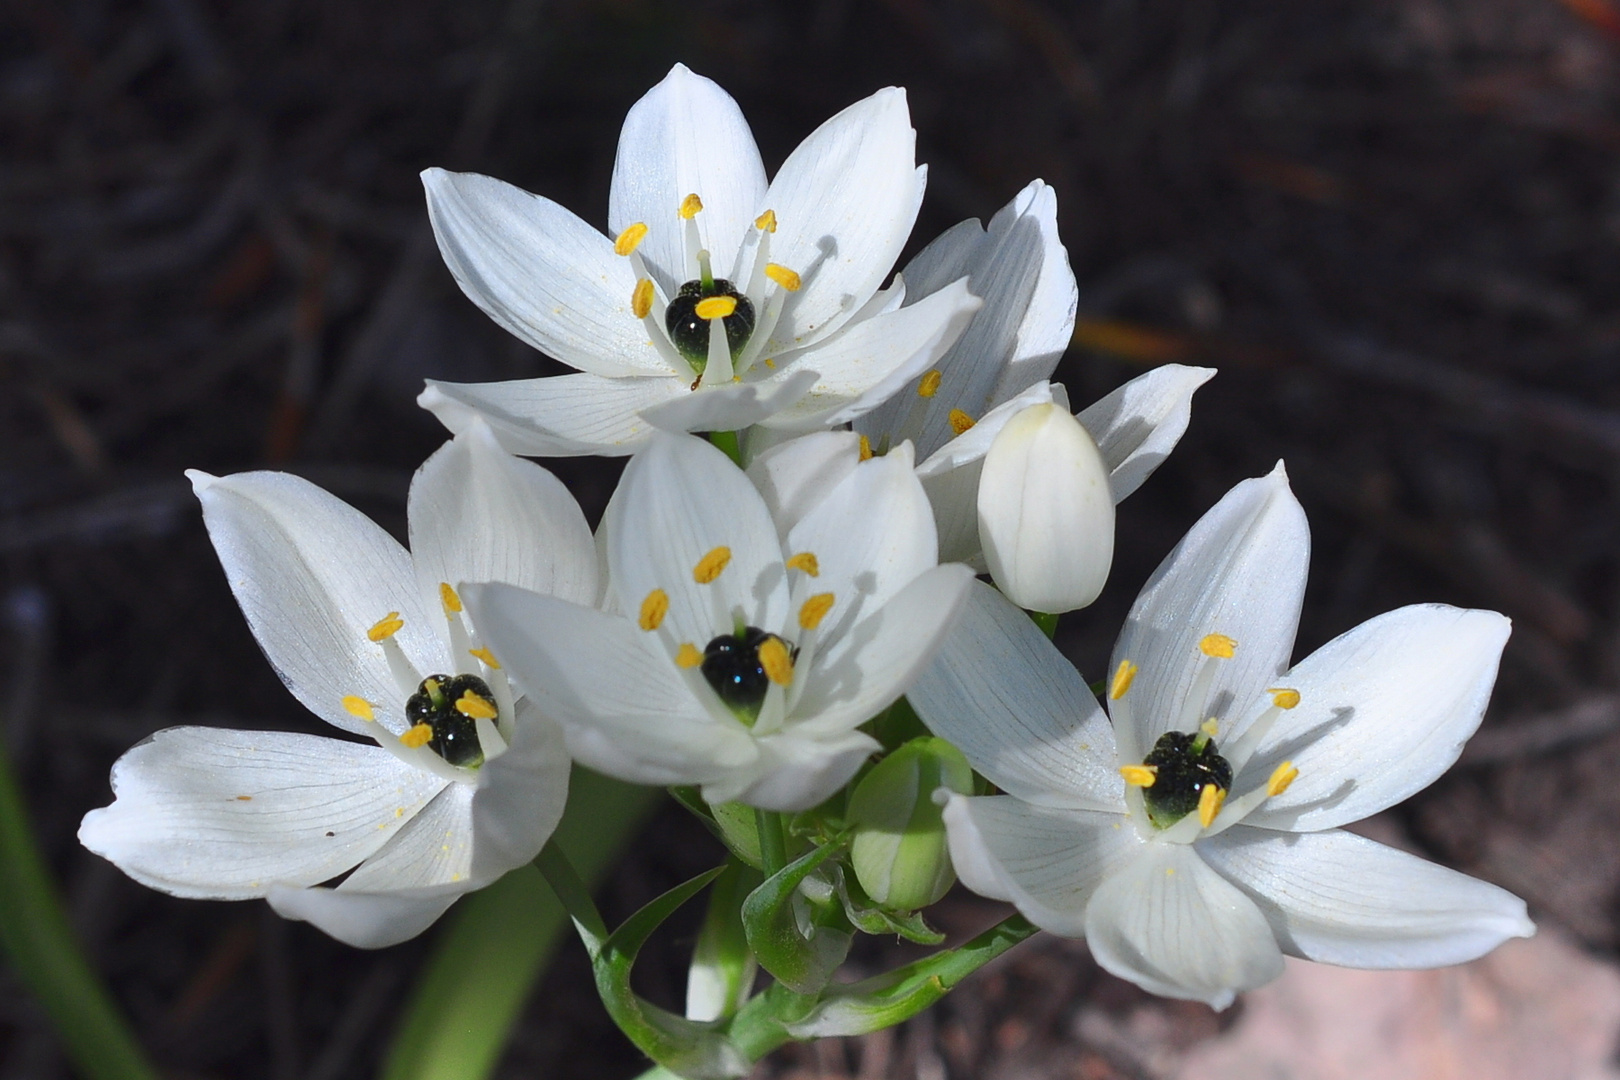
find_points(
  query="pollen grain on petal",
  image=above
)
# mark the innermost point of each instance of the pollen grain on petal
(1283, 697)
(486, 656)
(1124, 675)
(1210, 801)
(960, 421)
(1139, 775)
(386, 627)
(814, 610)
(359, 707)
(641, 299)
(766, 222)
(929, 385)
(866, 448)
(715, 307)
(653, 610)
(710, 566)
(691, 206)
(807, 562)
(476, 706)
(1281, 777)
(1218, 645)
(688, 655)
(448, 598)
(418, 736)
(776, 660)
(630, 239)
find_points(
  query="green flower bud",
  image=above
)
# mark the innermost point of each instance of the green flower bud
(900, 855)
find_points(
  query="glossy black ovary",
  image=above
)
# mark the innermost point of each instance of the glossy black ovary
(1183, 773)
(455, 735)
(690, 333)
(731, 665)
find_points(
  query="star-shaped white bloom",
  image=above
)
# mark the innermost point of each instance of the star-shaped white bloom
(460, 778)
(1195, 840)
(718, 301)
(744, 661)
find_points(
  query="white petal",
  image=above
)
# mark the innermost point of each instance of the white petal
(795, 773)
(686, 136)
(540, 272)
(1343, 899)
(794, 476)
(845, 199)
(1383, 710)
(1045, 860)
(366, 920)
(434, 849)
(224, 815)
(1138, 424)
(1240, 571)
(871, 360)
(313, 575)
(520, 795)
(681, 499)
(732, 406)
(478, 514)
(1010, 701)
(1173, 926)
(560, 416)
(882, 655)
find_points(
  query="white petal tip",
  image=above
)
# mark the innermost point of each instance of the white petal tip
(1278, 472)
(200, 481)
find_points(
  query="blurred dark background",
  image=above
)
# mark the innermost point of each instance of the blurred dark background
(1392, 224)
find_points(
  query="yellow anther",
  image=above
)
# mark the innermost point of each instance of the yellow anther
(691, 206)
(386, 627)
(1218, 645)
(715, 307)
(653, 610)
(688, 656)
(487, 657)
(1283, 698)
(959, 421)
(776, 660)
(710, 566)
(815, 609)
(418, 736)
(784, 277)
(1139, 775)
(1124, 675)
(479, 708)
(766, 222)
(805, 561)
(360, 707)
(1281, 777)
(1210, 801)
(1210, 727)
(866, 448)
(929, 386)
(630, 239)
(448, 597)
(641, 299)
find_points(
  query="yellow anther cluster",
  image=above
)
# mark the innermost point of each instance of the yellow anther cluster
(630, 239)
(653, 610)
(479, 708)
(1281, 777)
(866, 448)
(784, 277)
(1210, 801)
(386, 627)
(1218, 645)
(776, 660)
(959, 421)
(641, 298)
(715, 307)
(448, 597)
(691, 206)
(710, 566)
(1124, 675)
(929, 386)
(418, 736)
(486, 656)
(1139, 775)
(805, 561)
(688, 656)
(814, 610)
(1283, 698)
(766, 222)
(360, 707)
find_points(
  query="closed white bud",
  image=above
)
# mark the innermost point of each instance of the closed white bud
(900, 855)
(1046, 514)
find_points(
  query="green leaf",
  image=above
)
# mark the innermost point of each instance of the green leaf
(40, 944)
(497, 943)
(871, 919)
(801, 957)
(723, 966)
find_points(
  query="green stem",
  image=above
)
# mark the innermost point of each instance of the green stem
(728, 441)
(772, 844)
(1047, 623)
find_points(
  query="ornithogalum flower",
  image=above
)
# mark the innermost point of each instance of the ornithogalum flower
(745, 659)
(1195, 840)
(718, 301)
(459, 778)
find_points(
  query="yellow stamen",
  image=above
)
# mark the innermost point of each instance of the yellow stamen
(653, 610)
(386, 627)
(805, 561)
(766, 222)
(641, 299)
(866, 448)
(1210, 727)
(1283, 698)
(1124, 675)
(1281, 777)
(691, 206)
(815, 609)
(715, 307)
(777, 661)
(448, 597)
(710, 566)
(487, 657)
(418, 736)
(1217, 645)
(687, 655)
(1210, 801)
(630, 239)
(479, 708)
(784, 277)
(960, 421)
(1139, 775)
(929, 386)
(360, 707)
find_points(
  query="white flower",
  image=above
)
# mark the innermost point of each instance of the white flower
(744, 662)
(784, 326)
(1196, 886)
(358, 628)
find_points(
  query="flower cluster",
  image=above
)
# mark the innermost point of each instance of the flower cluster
(763, 617)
